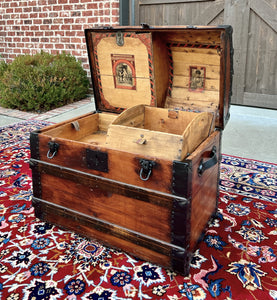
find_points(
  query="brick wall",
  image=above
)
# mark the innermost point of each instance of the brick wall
(29, 26)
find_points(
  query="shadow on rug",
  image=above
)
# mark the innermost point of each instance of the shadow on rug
(235, 260)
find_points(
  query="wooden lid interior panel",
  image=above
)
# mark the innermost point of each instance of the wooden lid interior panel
(195, 78)
(123, 72)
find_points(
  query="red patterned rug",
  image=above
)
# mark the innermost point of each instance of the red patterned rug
(235, 260)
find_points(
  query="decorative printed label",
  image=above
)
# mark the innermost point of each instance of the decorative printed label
(124, 71)
(197, 79)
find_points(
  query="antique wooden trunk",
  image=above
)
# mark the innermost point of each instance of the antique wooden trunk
(141, 172)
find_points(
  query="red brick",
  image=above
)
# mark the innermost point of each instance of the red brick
(55, 27)
(92, 6)
(43, 15)
(17, 50)
(26, 51)
(68, 21)
(70, 33)
(76, 27)
(48, 46)
(80, 6)
(27, 9)
(76, 40)
(65, 40)
(34, 28)
(67, 7)
(14, 4)
(59, 33)
(39, 33)
(65, 27)
(49, 33)
(78, 13)
(24, 16)
(47, 21)
(36, 9)
(44, 27)
(33, 15)
(32, 3)
(38, 21)
(57, 8)
(24, 28)
(53, 15)
(87, 13)
(115, 4)
(59, 46)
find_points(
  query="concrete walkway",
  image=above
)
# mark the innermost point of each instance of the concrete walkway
(250, 132)
(10, 116)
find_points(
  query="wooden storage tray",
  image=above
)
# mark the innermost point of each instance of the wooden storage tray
(163, 133)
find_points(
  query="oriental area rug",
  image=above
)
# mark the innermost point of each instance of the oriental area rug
(235, 260)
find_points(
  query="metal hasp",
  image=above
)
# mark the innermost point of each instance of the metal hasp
(146, 168)
(119, 38)
(97, 160)
(53, 149)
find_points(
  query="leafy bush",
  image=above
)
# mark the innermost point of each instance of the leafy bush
(42, 82)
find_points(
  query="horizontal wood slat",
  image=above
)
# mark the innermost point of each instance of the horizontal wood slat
(134, 237)
(142, 194)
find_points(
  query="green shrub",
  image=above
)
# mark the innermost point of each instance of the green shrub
(42, 82)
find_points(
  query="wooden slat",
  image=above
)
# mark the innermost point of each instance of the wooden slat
(127, 139)
(110, 234)
(196, 132)
(196, 106)
(107, 204)
(159, 119)
(183, 93)
(72, 154)
(193, 56)
(261, 67)
(140, 193)
(237, 14)
(87, 125)
(183, 82)
(212, 72)
(260, 100)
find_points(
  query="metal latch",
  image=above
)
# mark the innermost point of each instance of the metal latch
(119, 38)
(146, 168)
(53, 149)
